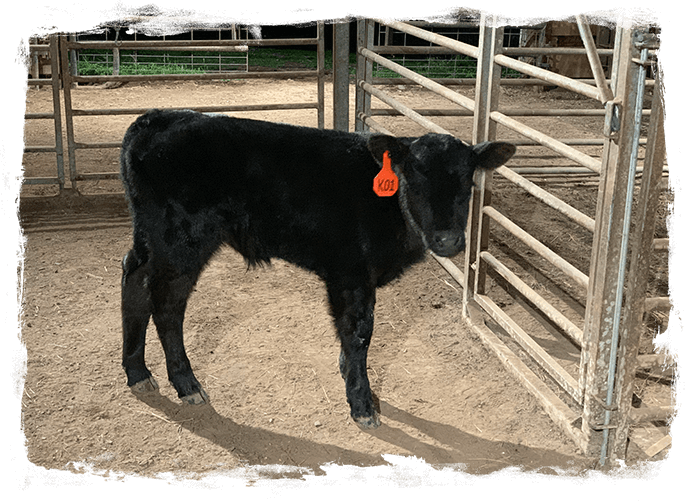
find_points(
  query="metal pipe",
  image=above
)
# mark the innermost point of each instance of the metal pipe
(405, 110)
(199, 109)
(367, 120)
(593, 58)
(441, 90)
(461, 47)
(571, 271)
(655, 413)
(538, 51)
(197, 76)
(549, 77)
(512, 112)
(145, 44)
(450, 268)
(545, 140)
(320, 69)
(573, 214)
(341, 76)
(512, 51)
(575, 333)
(472, 81)
(623, 254)
(194, 48)
(551, 366)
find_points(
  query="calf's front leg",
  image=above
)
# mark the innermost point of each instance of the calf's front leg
(352, 310)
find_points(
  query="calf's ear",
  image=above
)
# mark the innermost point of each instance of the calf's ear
(490, 155)
(378, 144)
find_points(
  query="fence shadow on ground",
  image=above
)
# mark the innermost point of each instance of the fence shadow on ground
(72, 211)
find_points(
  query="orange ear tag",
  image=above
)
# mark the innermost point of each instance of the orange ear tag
(385, 183)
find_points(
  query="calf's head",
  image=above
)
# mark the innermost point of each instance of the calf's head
(435, 174)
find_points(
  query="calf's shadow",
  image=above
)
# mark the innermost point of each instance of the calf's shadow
(446, 446)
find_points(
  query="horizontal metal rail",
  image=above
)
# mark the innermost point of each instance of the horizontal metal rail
(511, 51)
(469, 104)
(225, 75)
(655, 413)
(654, 360)
(373, 124)
(197, 48)
(551, 366)
(661, 244)
(548, 141)
(567, 268)
(39, 81)
(96, 176)
(512, 112)
(38, 116)
(553, 405)
(40, 149)
(450, 268)
(403, 109)
(199, 109)
(148, 44)
(460, 47)
(441, 90)
(549, 77)
(573, 331)
(505, 61)
(472, 81)
(572, 213)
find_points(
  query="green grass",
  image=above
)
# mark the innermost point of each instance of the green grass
(274, 58)
(88, 68)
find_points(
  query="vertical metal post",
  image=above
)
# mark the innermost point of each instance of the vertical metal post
(641, 251)
(57, 107)
(608, 264)
(74, 56)
(341, 76)
(364, 73)
(68, 114)
(484, 129)
(320, 68)
(116, 58)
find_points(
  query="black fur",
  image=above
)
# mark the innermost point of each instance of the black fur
(195, 182)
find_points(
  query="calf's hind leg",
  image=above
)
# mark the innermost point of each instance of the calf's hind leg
(169, 291)
(136, 309)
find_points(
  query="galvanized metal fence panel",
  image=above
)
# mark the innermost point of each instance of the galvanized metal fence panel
(605, 368)
(69, 48)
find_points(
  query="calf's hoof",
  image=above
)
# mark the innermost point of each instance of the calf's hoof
(145, 386)
(368, 423)
(198, 398)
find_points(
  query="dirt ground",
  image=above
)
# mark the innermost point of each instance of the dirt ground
(261, 342)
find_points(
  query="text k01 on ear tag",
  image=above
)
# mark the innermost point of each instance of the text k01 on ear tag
(385, 183)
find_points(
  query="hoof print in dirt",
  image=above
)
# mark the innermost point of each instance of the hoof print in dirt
(145, 386)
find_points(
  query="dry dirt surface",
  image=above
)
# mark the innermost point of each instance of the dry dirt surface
(261, 341)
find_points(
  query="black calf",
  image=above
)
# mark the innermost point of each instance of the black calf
(195, 182)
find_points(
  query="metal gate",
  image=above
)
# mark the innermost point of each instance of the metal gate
(594, 408)
(62, 48)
